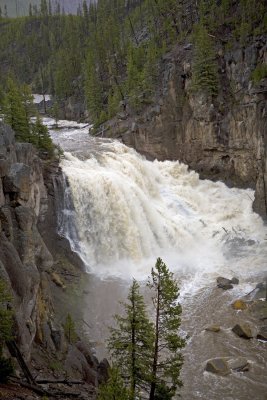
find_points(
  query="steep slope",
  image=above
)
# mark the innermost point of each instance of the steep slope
(39, 268)
(221, 138)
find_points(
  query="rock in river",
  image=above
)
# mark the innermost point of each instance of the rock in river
(224, 283)
(239, 305)
(213, 328)
(243, 330)
(218, 366)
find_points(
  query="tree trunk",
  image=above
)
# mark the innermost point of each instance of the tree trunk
(156, 350)
(133, 383)
(15, 352)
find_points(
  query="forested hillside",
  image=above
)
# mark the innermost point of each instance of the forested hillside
(18, 8)
(109, 53)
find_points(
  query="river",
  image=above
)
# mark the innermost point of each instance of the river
(122, 211)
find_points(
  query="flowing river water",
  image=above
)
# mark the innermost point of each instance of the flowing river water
(122, 211)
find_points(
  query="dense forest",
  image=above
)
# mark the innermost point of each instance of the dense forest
(109, 53)
(18, 8)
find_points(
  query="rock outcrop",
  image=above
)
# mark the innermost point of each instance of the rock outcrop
(24, 258)
(30, 260)
(223, 138)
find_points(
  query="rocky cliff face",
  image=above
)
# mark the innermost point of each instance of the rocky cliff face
(24, 258)
(223, 138)
(32, 257)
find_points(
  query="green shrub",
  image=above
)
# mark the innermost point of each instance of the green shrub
(259, 73)
(69, 330)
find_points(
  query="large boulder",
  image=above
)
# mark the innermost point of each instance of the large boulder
(218, 366)
(77, 365)
(224, 283)
(243, 330)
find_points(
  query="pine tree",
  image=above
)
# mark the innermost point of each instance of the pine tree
(205, 70)
(85, 9)
(131, 342)
(44, 8)
(114, 388)
(30, 10)
(167, 358)
(14, 111)
(6, 315)
(27, 102)
(50, 8)
(69, 329)
(40, 137)
(6, 328)
(0, 12)
(93, 89)
(5, 11)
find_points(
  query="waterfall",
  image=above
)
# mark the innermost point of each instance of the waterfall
(129, 211)
(120, 212)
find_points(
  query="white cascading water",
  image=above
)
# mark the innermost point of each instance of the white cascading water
(121, 212)
(129, 211)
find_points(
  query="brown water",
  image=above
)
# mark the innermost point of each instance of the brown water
(210, 306)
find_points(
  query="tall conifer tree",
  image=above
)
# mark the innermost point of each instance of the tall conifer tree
(14, 111)
(131, 343)
(167, 358)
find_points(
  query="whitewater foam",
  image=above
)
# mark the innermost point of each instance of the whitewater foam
(129, 211)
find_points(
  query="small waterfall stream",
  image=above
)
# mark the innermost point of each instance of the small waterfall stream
(121, 212)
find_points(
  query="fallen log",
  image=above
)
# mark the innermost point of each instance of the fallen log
(36, 389)
(58, 381)
(43, 392)
(15, 352)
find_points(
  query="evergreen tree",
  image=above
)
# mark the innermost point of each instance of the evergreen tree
(14, 111)
(0, 12)
(69, 329)
(131, 343)
(93, 89)
(114, 388)
(85, 9)
(44, 8)
(27, 103)
(6, 328)
(5, 11)
(55, 112)
(6, 315)
(50, 8)
(205, 70)
(35, 10)
(58, 10)
(41, 138)
(30, 10)
(167, 358)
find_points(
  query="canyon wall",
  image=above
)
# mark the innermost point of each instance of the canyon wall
(38, 266)
(222, 138)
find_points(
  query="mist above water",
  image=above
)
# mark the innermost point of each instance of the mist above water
(129, 211)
